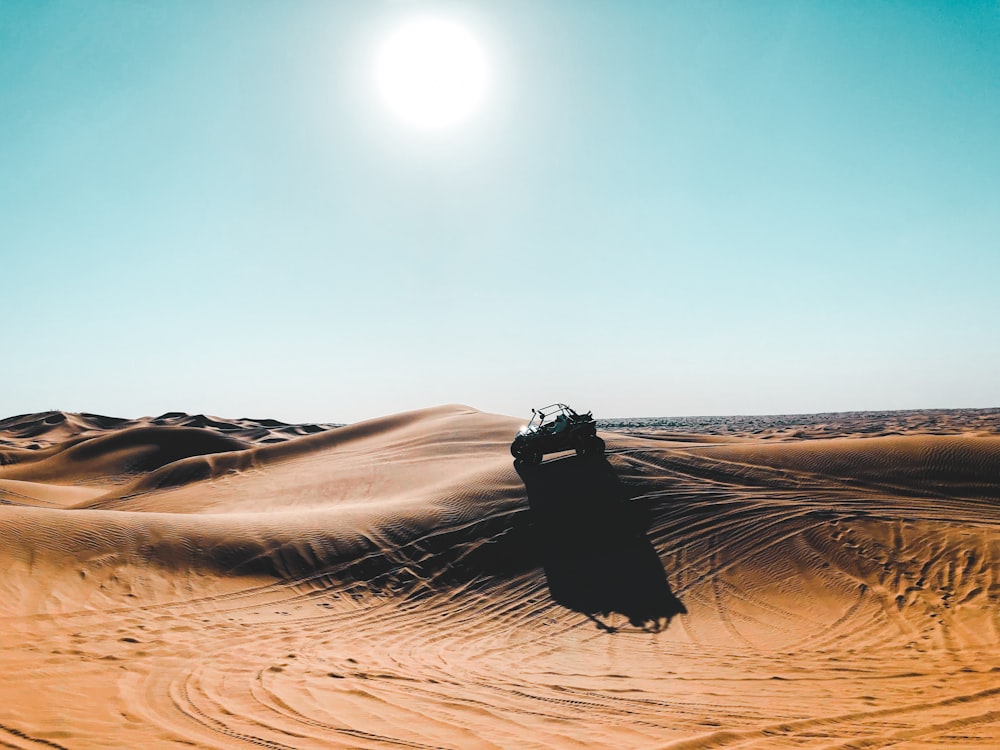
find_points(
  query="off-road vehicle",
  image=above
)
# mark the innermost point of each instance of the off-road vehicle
(556, 428)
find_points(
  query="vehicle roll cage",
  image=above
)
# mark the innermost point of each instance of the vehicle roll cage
(548, 413)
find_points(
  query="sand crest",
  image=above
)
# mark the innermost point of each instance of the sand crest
(198, 581)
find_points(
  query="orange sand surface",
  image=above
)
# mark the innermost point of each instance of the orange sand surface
(187, 581)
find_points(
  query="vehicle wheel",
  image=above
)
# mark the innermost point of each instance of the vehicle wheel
(593, 447)
(515, 449)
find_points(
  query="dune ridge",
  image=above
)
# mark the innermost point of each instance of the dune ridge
(196, 580)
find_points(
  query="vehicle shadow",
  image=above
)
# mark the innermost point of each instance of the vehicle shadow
(597, 557)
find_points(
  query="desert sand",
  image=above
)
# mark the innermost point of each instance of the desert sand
(185, 581)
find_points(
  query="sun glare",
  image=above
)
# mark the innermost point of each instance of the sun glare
(431, 73)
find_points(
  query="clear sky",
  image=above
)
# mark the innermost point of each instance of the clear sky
(658, 208)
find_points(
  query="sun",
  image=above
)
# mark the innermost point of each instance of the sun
(431, 73)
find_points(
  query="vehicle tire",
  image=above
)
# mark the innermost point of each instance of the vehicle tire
(515, 449)
(593, 447)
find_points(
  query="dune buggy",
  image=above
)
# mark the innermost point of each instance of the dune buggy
(556, 428)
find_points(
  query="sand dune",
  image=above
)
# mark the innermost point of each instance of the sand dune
(190, 580)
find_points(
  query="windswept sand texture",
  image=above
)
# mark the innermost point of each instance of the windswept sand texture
(193, 582)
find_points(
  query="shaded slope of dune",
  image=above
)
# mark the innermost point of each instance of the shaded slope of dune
(109, 458)
(400, 582)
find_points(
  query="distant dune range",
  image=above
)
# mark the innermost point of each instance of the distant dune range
(822, 581)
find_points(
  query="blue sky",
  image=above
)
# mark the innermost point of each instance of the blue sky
(661, 208)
